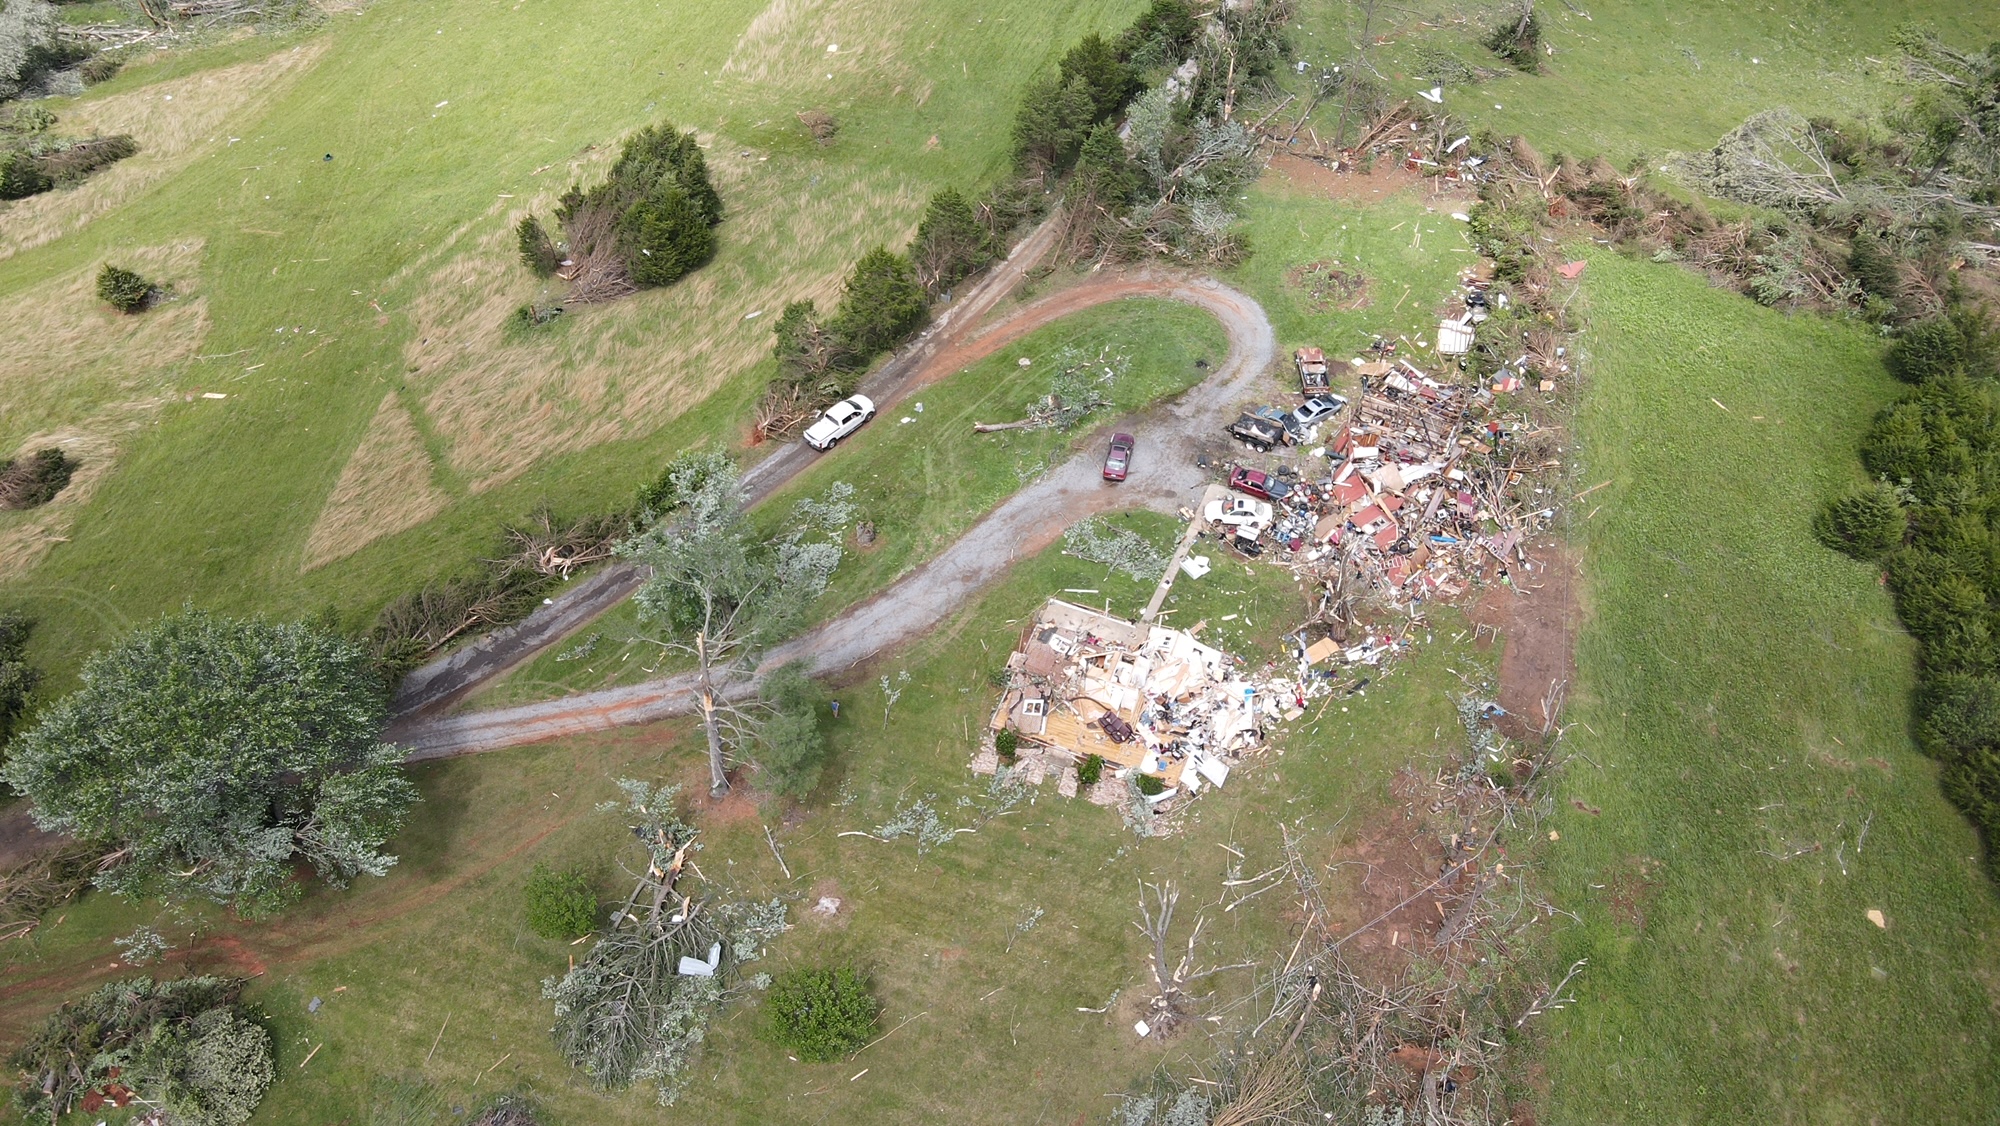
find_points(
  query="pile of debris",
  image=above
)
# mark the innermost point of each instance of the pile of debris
(1422, 498)
(1145, 699)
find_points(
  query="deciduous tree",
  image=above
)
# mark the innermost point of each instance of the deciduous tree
(724, 596)
(216, 755)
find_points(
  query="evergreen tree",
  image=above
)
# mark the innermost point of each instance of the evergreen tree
(1097, 64)
(881, 306)
(1051, 124)
(951, 243)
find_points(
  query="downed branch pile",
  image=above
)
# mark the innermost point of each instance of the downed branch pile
(1329, 1035)
(1080, 387)
(636, 1007)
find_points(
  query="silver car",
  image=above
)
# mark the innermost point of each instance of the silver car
(840, 420)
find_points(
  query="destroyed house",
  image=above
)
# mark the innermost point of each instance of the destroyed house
(1143, 698)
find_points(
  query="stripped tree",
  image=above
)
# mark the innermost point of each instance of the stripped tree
(723, 595)
(1171, 1001)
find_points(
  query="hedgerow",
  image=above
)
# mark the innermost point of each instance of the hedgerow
(1930, 517)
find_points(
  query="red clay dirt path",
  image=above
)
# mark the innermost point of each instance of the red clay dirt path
(1019, 526)
(937, 351)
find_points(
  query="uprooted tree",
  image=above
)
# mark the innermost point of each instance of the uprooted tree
(216, 756)
(1079, 387)
(650, 223)
(723, 595)
(1172, 977)
(636, 1007)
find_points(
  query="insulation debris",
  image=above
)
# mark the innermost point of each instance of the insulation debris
(1144, 698)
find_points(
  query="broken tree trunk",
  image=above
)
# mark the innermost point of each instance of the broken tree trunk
(718, 778)
(991, 427)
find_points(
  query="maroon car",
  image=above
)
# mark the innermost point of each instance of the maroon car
(1119, 460)
(1258, 484)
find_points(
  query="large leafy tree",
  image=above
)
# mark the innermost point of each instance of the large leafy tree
(217, 754)
(723, 594)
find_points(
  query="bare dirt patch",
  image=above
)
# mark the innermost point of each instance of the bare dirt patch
(1537, 619)
(174, 122)
(1386, 179)
(384, 488)
(1394, 910)
(1327, 286)
(20, 839)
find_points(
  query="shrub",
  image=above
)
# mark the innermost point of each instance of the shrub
(881, 307)
(1873, 267)
(1150, 785)
(820, 1014)
(1519, 40)
(21, 175)
(1927, 350)
(532, 316)
(559, 904)
(1957, 712)
(1007, 742)
(820, 124)
(1931, 592)
(99, 68)
(35, 480)
(538, 251)
(122, 289)
(1090, 770)
(1864, 523)
(791, 750)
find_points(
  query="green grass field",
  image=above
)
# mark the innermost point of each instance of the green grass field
(1741, 720)
(391, 262)
(1635, 78)
(994, 1033)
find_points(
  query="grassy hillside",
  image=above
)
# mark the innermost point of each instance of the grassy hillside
(1744, 789)
(1634, 78)
(350, 308)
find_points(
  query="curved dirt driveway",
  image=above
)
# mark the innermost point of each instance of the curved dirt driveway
(1165, 478)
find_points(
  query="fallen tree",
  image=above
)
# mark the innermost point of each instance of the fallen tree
(636, 1007)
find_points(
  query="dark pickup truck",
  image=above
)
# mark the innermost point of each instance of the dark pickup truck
(1259, 433)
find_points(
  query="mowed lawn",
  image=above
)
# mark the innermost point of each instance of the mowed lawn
(1742, 788)
(349, 228)
(983, 950)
